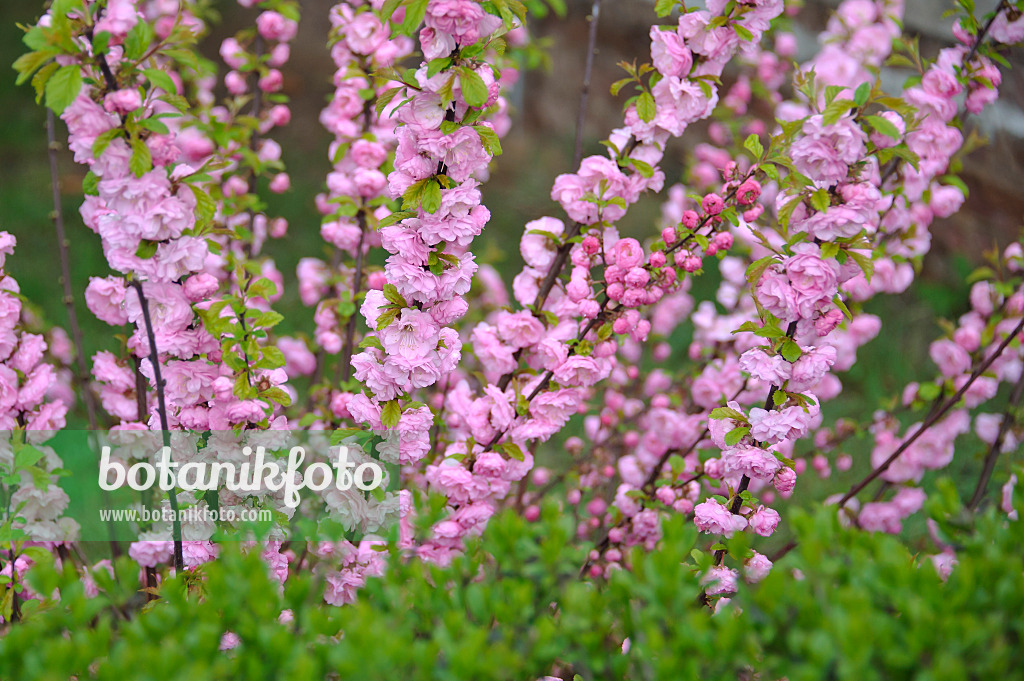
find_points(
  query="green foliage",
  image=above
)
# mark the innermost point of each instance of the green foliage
(844, 605)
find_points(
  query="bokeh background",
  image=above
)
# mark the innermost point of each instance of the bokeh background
(539, 148)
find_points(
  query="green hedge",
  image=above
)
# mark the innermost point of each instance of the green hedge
(862, 606)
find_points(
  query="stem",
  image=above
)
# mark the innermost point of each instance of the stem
(154, 359)
(934, 418)
(1009, 417)
(350, 327)
(15, 603)
(581, 114)
(82, 373)
(737, 499)
(984, 32)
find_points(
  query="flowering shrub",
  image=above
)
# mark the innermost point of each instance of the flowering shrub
(812, 195)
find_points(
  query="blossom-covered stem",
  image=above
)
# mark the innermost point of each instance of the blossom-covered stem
(737, 499)
(357, 282)
(934, 418)
(1009, 416)
(985, 29)
(82, 371)
(549, 374)
(581, 114)
(154, 358)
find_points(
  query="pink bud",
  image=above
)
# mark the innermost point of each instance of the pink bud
(657, 259)
(281, 183)
(271, 82)
(712, 204)
(690, 219)
(280, 115)
(669, 235)
(235, 83)
(723, 240)
(122, 101)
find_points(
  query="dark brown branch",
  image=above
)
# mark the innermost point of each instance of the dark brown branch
(934, 418)
(1009, 417)
(154, 360)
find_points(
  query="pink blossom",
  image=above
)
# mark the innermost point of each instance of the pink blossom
(825, 152)
(713, 518)
(764, 521)
(753, 462)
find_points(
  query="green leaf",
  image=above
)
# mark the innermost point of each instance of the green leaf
(642, 167)
(834, 111)
(861, 95)
(371, 342)
(415, 10)
(743, 32)
(392, 295)
(63, 87)
(735, 435)
(435, 66)
(206, 208)
(664, 7)
(146, 249)
(90, 184)
(474, 90)
(489, 138)
(278, 395)
(103, 141)
(160, 79)
(884, 126)
(154, 125)
(390, 413)
(272, 357)
(791, 351)
(512, 450)
(431, 197)
(619, 84)
(866, 264)
(41, 78)
(28, 63)
(754, 146)
(384, 99)
(757, 268)
(141, 161)
(385, 318)
(728, 413)
(821, 200)
(138, 41)
(26, 456)
(645, 107)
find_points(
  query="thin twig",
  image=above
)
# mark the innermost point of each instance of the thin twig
(934, 418)
(581, 113)
(82, 373)
(357, 282)
(1009, 416)
(154, 360)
